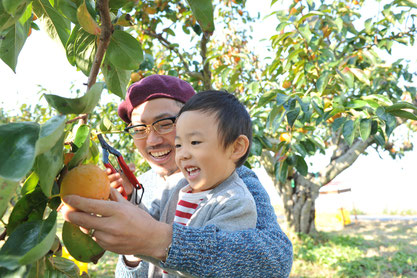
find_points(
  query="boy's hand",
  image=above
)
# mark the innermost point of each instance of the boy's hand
(117, 180)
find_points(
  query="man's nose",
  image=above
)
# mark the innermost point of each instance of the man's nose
(153, 138)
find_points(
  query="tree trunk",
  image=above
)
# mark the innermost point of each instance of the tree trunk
(299, 204)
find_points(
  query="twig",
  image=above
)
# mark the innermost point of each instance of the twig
(168, 45)
(83, 117)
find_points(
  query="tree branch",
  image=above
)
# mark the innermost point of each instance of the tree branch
(342, 162)
(106, 32)
(206, 65)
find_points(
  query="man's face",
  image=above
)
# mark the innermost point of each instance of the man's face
(158, 150)
(200, 153)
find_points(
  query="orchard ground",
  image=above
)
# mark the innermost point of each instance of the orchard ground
(362, 249)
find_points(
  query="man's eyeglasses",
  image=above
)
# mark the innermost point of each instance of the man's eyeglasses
(162, 126)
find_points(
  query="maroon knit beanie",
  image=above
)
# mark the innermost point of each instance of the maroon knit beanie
(154, 86)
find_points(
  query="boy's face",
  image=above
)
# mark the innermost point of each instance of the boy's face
(200, 154)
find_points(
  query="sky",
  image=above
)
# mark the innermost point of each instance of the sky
(377, 183)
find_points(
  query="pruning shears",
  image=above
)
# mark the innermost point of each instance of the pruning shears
(106, 150)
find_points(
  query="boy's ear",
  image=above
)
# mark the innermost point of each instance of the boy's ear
(239, 147)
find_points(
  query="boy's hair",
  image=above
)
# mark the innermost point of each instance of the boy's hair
(232, 117)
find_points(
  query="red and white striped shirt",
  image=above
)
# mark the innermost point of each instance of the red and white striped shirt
(187, 204)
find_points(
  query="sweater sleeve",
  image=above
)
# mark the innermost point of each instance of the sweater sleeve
(210, 252)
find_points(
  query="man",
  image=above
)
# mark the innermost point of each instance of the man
(203, 252)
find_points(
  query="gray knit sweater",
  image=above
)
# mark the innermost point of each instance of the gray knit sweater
(210, 252)
(229, 206)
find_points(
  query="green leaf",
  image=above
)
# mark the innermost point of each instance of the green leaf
(403, 114)
(11, 43)
(49, 164)
(61, 267)
(18, 272)
(305, 32)
(29, 242)
(80, 246)
(349, 131)
(105, 124)
(400, 105)
(68, 9)
(18, 149)
(116, 78)
(368, 26)
(81, 105)
(56, 25)
(12, 6)
(8, 189)
(355, 104)
(203, 12)
(323, 81)
(339, 24)
(266, 98)
(7, 20)
(360, 75)
(379, 98)
(124, 51)
(293, 115)
(50, 132)
(407, 3)
(365, 128)
(30, 184)
(281, 99)
(390, 124)
(301, 166)
(86, 20)
(81, 49)
(283, 171)
(30, 207)
(82, 141)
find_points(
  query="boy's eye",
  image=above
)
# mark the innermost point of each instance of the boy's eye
(195, 142)
(177, 146)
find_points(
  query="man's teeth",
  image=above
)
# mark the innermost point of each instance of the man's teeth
(159, 154)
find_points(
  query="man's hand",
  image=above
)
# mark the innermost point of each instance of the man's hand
(119, 226)
(119, 180)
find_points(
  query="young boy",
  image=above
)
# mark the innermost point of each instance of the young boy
(213, 138)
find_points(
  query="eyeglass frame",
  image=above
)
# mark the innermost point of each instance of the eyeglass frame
(148, 127)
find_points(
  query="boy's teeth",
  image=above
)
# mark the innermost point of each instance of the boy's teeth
(191, 169)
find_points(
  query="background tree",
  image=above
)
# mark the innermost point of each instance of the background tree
(328, 89)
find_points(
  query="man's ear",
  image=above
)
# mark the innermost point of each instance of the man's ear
(239, 147)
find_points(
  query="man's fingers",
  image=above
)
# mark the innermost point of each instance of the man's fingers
(100, 207)
(116, 196)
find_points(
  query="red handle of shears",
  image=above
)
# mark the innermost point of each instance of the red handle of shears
(123, 191)
(130, 176)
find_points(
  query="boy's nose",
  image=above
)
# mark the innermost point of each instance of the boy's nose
(183, 154)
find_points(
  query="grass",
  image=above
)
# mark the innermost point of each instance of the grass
(364, 249)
